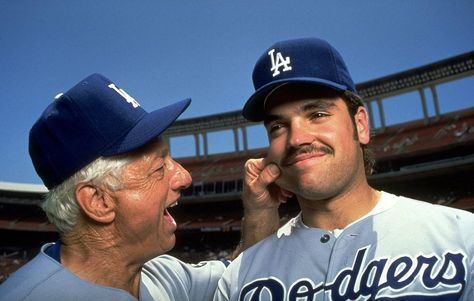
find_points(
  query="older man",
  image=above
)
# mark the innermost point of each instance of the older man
(111, 179)
(350, 241)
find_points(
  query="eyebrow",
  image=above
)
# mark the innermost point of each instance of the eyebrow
(318, 104)
(310, 105)
(269, 119)
(158, 154)
(162, 152)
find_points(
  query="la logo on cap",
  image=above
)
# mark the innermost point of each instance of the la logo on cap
(279, 61)
(125, 95)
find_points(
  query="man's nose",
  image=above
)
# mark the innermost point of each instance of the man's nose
(181, 178)
(299, 133)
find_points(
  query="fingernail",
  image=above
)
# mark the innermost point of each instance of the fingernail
(274, 169)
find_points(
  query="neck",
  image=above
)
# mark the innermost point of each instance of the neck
(100, 260)
(339, 211)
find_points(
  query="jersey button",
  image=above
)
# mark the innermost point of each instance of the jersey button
(325, 238)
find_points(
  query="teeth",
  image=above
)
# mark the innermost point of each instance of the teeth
(174, 204)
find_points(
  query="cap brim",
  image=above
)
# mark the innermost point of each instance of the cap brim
(254, 107)
(151, 126)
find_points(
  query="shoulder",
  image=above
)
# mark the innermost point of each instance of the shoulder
(441, 221)
(424, 208)
(30, 277)
(43, 278)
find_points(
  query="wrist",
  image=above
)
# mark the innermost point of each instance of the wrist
(260, 213)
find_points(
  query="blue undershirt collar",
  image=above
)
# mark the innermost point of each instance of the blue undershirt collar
(54, 251)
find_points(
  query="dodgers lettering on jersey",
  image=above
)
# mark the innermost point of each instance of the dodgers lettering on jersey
(378, 279)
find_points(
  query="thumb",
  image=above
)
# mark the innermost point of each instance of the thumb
(269, 174)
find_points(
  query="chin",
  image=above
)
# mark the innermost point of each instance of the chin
(170, 244)
(302, 183)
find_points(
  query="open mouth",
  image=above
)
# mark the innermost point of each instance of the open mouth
(174, 204)
(167, 215)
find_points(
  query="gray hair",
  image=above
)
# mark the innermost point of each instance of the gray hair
(60, 202)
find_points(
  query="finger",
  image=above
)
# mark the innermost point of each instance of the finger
(282, 194)
(254, 167)
(286, 193)
(268, 175)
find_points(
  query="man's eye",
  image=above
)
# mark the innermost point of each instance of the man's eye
(159, 169)
(317, 115)
(275, 127)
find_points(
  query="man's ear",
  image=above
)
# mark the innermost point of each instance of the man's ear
(96, 204)
(361, 119)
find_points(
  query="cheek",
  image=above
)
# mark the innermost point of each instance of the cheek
(275, 151)
(285, 182)
(348, 138)
(154, 199)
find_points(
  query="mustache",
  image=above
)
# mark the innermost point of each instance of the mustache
(292, 152)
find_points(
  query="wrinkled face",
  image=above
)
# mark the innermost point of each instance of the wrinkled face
(151, 183)
(313, 140)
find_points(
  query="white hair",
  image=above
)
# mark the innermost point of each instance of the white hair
(60, 202)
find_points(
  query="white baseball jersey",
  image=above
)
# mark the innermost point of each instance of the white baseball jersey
(402, 250)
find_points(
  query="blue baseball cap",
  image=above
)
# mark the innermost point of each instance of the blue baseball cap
(305, 60)
(94, 118)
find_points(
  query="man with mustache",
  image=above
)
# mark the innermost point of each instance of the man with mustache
(111, 180)
(350, 241)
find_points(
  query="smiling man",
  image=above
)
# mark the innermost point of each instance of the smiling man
(350, 241)
(111, 180)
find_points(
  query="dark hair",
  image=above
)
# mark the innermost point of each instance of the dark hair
(353, 102)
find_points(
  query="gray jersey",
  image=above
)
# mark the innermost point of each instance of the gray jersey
(164, 278)
(403, 250)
